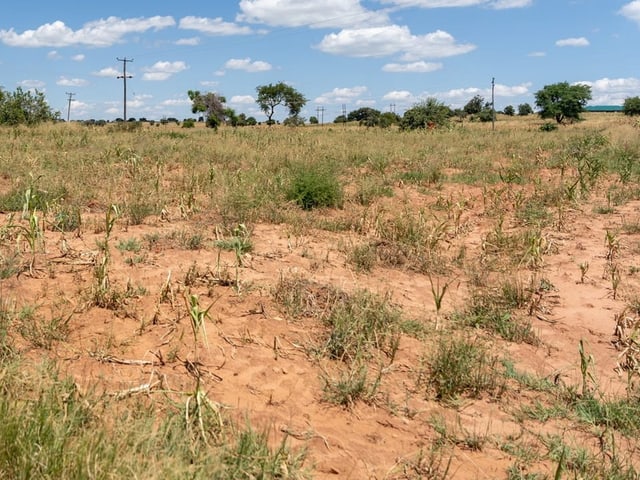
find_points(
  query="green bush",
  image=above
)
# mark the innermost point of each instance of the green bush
(315, 186)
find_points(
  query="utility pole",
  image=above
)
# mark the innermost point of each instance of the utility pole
(493, 105)
(344, 113)
(392, 108)
(70, 95)
(320, 113)
(124, 77)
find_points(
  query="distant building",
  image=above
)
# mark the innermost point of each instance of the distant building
(604, 108)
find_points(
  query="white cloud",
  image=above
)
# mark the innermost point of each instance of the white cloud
(414, 67)
(99, 33)
(391, 40)
(613, 91)
(495, 4)
(631, 11)
(458, 97)
(72, 82)
(163, 70)
(209, 83)
(402, 96)
(315, 14)
(54, 55)
(188, 41)
(106, 72)
(573, 42)
(247, 65)
(341, 95)
(30, 84)
(537, 54)
(78, 58)
(213, 26)
(242, 100)
(176, 102)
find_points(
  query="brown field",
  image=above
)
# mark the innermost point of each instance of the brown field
(461, 304)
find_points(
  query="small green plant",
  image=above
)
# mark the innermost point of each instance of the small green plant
(197, 315)
(588, 380)
(363, 257)
(460, 365)
(315, 186)
(351, 386)
(584, 268)
(102, 295)
(129, 245)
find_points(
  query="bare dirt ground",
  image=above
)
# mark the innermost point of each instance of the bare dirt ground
(257, 364)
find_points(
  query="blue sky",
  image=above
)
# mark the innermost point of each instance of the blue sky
(385, 54)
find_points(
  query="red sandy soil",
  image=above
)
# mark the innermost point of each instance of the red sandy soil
(257, 364)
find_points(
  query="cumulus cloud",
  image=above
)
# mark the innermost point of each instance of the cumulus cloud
(631, 11)
(98, 33)
(495, 4)
(213, 26)
(106, 72)
(573, 42)
(613, 91)
(458, 97)
(414, 67)
(72, 82)
(176, 102)
(193, 41)
(341, 95)
(163, 70)
(78, 58)
(400, 96)
(392, 40)
(54, 55)
(316, 14)
(242, 100)
(31, 84)
(247, 65)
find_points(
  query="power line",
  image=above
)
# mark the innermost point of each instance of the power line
(320, 113)
(124, 77)
(70, 99)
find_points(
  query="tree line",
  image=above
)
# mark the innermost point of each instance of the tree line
(561, 102)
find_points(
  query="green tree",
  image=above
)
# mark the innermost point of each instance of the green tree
(365, 116)
(509, 111)
(271, 96)
(25, 107)
(211, 105)
(313, 120)
(562, 101)
(631, 106)
(389, 118)
(474, 106)
(340, 119)
(524, 109)
(427, 114)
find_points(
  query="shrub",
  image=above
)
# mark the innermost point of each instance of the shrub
(631, 106)
(315, 186)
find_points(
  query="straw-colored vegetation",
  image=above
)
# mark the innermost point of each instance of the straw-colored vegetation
(476, 214)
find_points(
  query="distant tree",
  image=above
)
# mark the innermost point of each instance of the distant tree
(365, 116)
(340, 119)
(524, 109)
(562, 101)
(313, 120)
(211, 105)
(271, 96)
(388, 118)
(251, 121)
(631, 106)
(460, 114)
(294, 121)
(25, 107)
(509, 111)
(430, 113)
(474, 106)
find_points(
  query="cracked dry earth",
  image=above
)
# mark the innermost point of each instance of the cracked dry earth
(257, 361)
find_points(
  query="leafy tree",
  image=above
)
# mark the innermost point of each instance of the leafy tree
(427, 114)
(294, 121)
(271, 96)
(389, 118)
(474, 106)
(631, 106)
(365, 116)
(562, 101)
(313, 120)
(524, 109)
(509, 110)
(25, 107)
(340, 119)
(211, 104)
